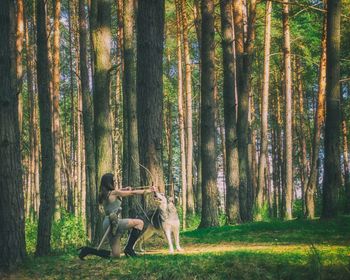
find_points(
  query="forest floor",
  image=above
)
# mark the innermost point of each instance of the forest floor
(262, 250)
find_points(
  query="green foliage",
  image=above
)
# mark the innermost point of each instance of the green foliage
(298, 208)
(67, 233)
(31, 229)
(193, 222)
(264, 212)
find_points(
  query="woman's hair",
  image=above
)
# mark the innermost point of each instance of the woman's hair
(107, 185)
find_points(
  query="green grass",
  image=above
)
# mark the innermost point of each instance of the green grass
(295, 231)
(265, 250)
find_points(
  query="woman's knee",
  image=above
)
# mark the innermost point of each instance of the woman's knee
(136, 223)
(139, 225)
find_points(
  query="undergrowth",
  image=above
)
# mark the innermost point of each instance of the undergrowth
(67, 233)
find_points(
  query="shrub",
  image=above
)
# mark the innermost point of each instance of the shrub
(67, 233)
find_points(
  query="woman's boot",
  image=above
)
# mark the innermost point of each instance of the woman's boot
(129, 248)
(84, 251)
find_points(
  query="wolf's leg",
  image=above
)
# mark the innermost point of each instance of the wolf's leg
(140, 244)
(144, 237)
(168, 237)
(177, 239)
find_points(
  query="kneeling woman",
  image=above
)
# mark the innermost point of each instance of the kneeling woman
(111, 199)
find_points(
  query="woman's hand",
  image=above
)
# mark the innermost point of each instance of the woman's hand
(151, 189)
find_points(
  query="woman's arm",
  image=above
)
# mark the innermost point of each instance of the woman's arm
(127, 191)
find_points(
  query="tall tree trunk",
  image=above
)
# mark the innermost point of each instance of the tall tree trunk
(126, 159)
(79, 151)
(199, 198)
(149, 87)
(129, 87)
(169, 129)
(288, 163)
(243, 70)
(332, 171)
(118, 120)
(56, 105)
(189, 132)
(91, 186)
(12, 241)
(282, 177)
(47, 190)
(78, 116)
(232, 169)
(32, 118)
(19, 67)
(252, 148)
(247, 88)
(72, 169)
(101, 44)
(345, 161)
(275, 175)
(264, 113)
(198, 186)
(302, 131)
(101, 36)
(209, 188)
(318, 124)
(180, 103)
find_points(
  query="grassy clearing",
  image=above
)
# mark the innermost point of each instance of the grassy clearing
(274, 250)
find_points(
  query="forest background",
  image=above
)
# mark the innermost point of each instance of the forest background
(238, 109)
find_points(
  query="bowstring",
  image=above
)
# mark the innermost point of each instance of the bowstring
(142, 209)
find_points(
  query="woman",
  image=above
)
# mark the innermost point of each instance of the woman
(111, 199)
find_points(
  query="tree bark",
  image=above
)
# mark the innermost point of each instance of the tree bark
(248, 69)
(101, 37)
(47, 190)
(232, 169)
(264, 114)
(12, 241)
(72, 168)
(302, 131)
(189, 126)
(19, 66)
(209, 188)
(101, 44)
(33, 133)
(288, 164)
(169, 136)
(318, 124)
(129, 87)
(332, 171)
(149, 88)
(345, 161)
(91, 186)
(56, 104)
(243, 71)
(199, 199)
(181, 113)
